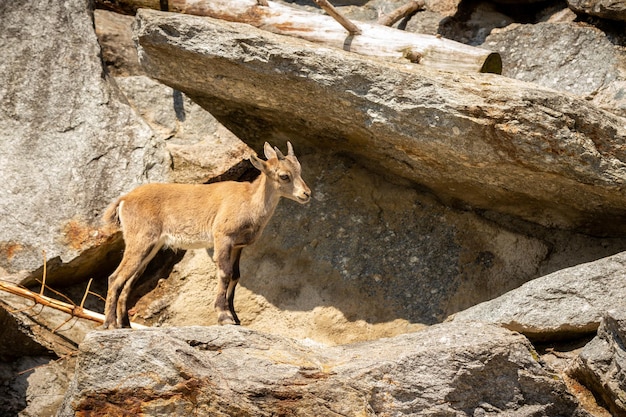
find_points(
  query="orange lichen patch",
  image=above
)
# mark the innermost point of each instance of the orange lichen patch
(79, 235)
(132, 402)
(585, 397)
(8, 250)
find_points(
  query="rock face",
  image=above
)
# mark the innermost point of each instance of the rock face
(602, 363)
(478, 140)
(85, 145)
(372, 256)
(564, 304)
(202, 150)
(446, 370)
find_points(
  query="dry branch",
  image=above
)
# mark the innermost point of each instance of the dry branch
(334, 13)
(400, 13)
(71, 309)
(375, 40)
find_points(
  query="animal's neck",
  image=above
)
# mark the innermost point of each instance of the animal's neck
(265, 198)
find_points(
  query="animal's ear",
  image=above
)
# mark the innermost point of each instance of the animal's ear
(269, 152)
(258, 163)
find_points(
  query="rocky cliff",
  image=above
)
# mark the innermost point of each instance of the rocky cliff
(497, 199)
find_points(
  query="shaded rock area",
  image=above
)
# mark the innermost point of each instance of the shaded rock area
(37, 356)
(215, 371)
(457, 207)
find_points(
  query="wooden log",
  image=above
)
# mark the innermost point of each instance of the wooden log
(375, 40)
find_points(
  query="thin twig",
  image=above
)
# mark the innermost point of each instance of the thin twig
(22, 310)
(401, 12)
(63, 324)
(82, 302)
(43, 278)
(67, 355)
(95, 294)
(60, 294)
(334, 13)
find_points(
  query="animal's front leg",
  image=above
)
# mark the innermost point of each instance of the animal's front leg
(223, 254)
(230, 292)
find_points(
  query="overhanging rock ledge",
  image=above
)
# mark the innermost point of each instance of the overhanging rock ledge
(476, 140)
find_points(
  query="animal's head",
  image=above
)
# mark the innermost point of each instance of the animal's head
(284, 171)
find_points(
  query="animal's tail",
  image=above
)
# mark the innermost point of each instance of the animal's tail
(111, 215)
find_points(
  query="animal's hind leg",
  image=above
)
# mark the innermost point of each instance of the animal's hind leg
(230, 292)
(122, 304)
(131, 264)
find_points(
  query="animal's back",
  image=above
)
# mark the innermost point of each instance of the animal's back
(181, 214)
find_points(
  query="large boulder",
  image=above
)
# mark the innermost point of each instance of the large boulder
(577, 59)
(450, 369)
(476, 140)
(70, 141)
(565, 304)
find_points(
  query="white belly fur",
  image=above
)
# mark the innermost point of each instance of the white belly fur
(188, 242)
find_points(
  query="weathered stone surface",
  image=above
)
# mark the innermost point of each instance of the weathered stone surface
(201, 148)
(223, 371)
(480, 140)
(601, 365)
(70, 142)
(577, 59)
(15, 342)
(563, 304)
(472, 23)
(608, 9)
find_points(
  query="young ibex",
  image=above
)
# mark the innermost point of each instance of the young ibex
(227, 216)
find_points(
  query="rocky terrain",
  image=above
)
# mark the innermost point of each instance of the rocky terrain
(463, 254)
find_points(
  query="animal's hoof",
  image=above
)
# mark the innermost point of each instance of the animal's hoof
(226, 318)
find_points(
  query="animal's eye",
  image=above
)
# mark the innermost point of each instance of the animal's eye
(284, 177)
